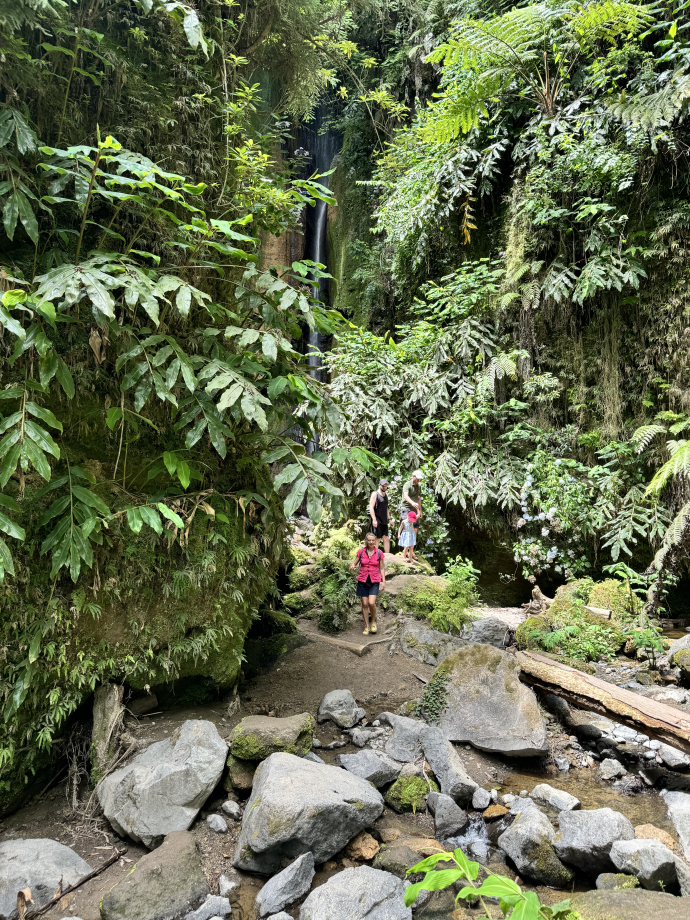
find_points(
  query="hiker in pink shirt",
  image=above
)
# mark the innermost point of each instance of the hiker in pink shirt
(371, 577)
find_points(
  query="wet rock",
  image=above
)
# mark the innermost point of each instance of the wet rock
(585, 838)
(165, 883)
(448, 768)
(296, 806)
(240, 774)
(229, 885)
(544, 794)
(363, 736)
(372, 766)
(286, 887)
(590, 725)
(488, 631)
(38, 865)
(363, 893)
(562, 764)
(340, 707)
(213, 907)
(427, 646)
(616, 881)
(363, 847)
(163, 788)
(672, 757)
(488, 706)
(481, 799)
(314, 758)
(397, 860)
(648, 860)
(257, 737)
(528, 842)
(217, 824)
(611, 769)
(678, 806)
(231, 809)
(408, 793)
(629, 905)
(449, 818)
(405, 743)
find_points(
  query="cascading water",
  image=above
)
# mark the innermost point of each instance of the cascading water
(322, 147)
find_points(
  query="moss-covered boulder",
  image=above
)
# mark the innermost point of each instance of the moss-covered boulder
(408, 793)
(300, 602)
(616, 881)
(302, 576)
(631, 904)
(682, 660)
(239, 774)
(257, 737)
(615, 596)
(529, 634)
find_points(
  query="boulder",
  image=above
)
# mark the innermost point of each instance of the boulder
(372, 766)
(213, 908)
(629, 905)
(616, 881)
(358, 894)
(488, 706)
(648, 860)
(678, 806)
(408, 793)
(397, 860)
(445, 762)
(286, 887)
(405, 743)
(340, 707)
(296, 806)
(427, 646)
(257, 737)
(481, 799)
(488, 631)
(314, 758)
(611, 769)
(231, 809)
(166, 883)
(543, 794)
(163, 788)
(240, 775)
(585, 838)
(449, 818)
(678, 645)
(528, 842)
(217, 824)
(683, 875)
(37, 864)
(672, 757)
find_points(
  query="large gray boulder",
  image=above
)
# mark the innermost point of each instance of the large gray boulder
(168, 882)
(164, 787)
(37, 864)
(358, 894)
(648, 860)
(405, 744)
(340, 707)
(529, 843)
(373, 766)
(297, 806)
(678, 645)
(449, 818)
(425, 645)
(257, 737)
(672, 757)
(286, 887)
(488, 706)
(678, 805)
(634, 904)
(488, 631)
(585, 838)
(444, 760)
(544, 794)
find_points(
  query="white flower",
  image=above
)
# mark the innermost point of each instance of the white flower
(542, 516)
(521, 522)
(545, 531)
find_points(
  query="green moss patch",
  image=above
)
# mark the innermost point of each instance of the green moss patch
(408, 793)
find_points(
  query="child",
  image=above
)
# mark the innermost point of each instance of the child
(407, 536)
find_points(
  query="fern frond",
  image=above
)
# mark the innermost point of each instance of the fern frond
(673, 536)
(608, 20)
(644, 436)
(678, 465)
(658, 108)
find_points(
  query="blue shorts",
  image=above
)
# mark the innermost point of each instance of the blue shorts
(367, 588)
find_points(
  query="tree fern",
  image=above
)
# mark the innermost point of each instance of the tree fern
(644, 436)
(678, 465)
(649, 112)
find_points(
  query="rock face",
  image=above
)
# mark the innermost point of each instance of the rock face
(165, 883)
(427, 645)
(543, 794)
(629, 905)
(528, 842)
(678, 805)
(257, 737)
(585, 838)
(38, 865)
(286, 887)
(487, 705)
(358, 894)
(648, 860)
(164, 787)
(372, 766)
(340, 707)
(445, 761)
(296, 806)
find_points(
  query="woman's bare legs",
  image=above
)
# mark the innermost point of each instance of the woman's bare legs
(372, 609)
(365, 612)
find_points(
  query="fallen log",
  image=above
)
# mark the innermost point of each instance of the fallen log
(599, 612)
(61, 894)
(659, 721)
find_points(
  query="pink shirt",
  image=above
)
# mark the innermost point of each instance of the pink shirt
(370, 566)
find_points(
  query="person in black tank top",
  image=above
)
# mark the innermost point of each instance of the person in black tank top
(380, 515)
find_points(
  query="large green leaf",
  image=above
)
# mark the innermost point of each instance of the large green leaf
(42, 438)
(44, 414)
(91, 499)
(65, 378)
(10, 528)
(295, 497)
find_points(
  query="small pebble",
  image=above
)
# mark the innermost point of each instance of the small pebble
(316, 743)
(217, 824)
(231, 809)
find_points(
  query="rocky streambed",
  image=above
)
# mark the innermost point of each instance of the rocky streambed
(315, 799)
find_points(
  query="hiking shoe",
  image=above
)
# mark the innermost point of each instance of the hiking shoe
(373, 628)
(365, 632)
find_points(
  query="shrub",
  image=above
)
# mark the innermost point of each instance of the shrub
(445, 608)
(337, 589)
(302, 576)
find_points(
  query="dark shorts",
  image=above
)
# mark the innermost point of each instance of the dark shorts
(367, 588)
(381, 529)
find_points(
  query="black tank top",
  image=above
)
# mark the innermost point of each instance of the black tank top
(381, 508)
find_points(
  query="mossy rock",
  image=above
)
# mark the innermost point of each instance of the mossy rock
(613, 595)
(408, 793)
(240, 774)
(682, 660)
(616, 881)
(302, 576)
(527, 634)
(257, 737)
(300, 601)
(341, 542)
(300, 556)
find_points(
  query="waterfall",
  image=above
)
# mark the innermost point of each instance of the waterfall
(322, 148)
